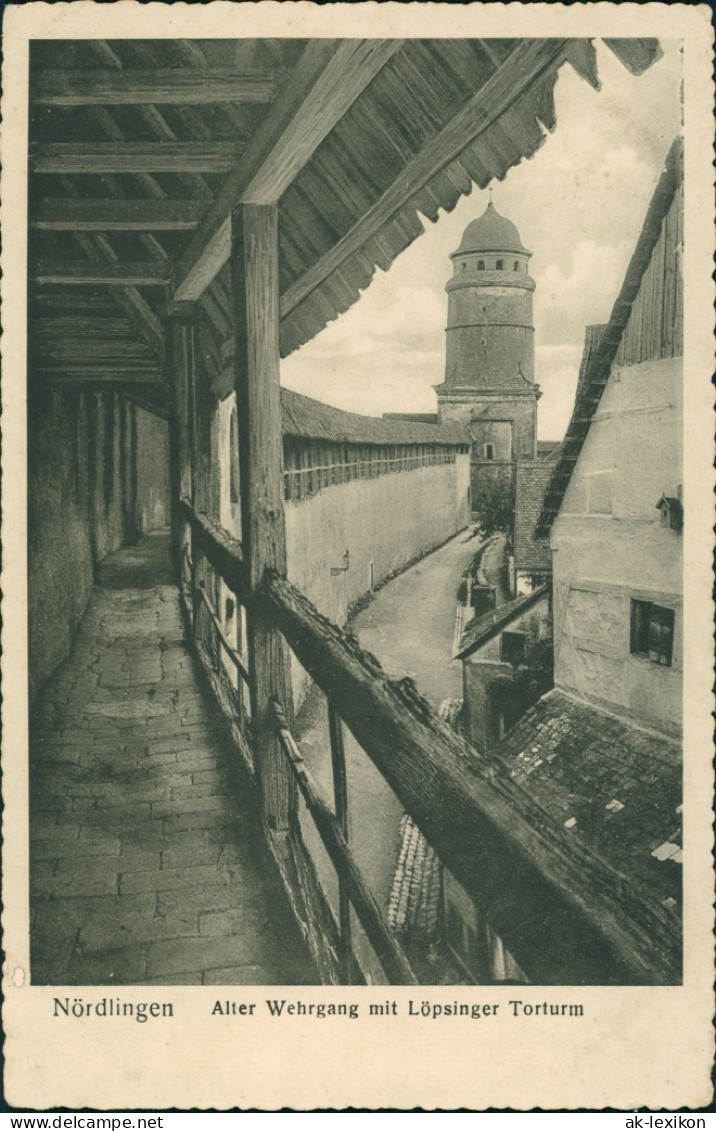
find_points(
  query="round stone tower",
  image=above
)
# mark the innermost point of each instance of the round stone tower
(489, 373)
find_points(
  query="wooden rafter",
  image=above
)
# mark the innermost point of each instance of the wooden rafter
(101, 274)
(91, 215)
(179, 86)
(326, 81)
(134, 157)
(96, 371)
(524, 66)
(98, 249)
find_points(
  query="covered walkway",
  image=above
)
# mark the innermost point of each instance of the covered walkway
(148, 864)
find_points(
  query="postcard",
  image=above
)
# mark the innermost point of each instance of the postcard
(357, 503)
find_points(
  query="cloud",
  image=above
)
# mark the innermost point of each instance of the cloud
(573, 295)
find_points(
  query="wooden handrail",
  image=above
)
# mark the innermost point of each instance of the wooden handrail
(370, 915)
(565, 914)
(233, 654)
(222, 551)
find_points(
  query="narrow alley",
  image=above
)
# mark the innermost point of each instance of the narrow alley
(409, 626)
(148, 864)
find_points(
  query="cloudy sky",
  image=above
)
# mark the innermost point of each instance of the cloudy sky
(578, 203)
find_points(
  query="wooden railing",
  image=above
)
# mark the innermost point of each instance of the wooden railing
(353, 888)
(303, 482)
(212, 544)
(564, 913)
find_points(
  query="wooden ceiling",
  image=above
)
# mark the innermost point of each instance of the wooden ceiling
(139, 150)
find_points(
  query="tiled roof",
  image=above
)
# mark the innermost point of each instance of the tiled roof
(303, 416)
(497, 620)
(420, 417)
(414, 904)
(607, 781)
(531, 553)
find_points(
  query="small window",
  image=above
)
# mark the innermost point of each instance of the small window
(489, 451)
(499, 266)
(481, 264)
(516, 265)
(652, 632)
(464, 267)
(512, 647)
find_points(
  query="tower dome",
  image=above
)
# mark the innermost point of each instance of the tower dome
(491, 232)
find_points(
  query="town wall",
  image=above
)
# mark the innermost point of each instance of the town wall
(632, 456)
(383, 523)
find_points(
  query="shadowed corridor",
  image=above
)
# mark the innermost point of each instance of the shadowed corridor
(148, 864)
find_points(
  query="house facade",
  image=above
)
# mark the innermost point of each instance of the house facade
(617, 546)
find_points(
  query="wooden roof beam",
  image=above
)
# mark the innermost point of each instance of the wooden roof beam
(100, 372)
(132, 87)
(98, 249)
(325, 83)
(101, 274)
(135, 157)
(527, 63)
(88, 215)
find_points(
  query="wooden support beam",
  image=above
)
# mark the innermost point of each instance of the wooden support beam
(52, 325)
(254, 266)
(101, 274)
(131, 86)
(100, 372)
(566, 915)
(48, 301)
(525, 65)
(90, 348)
(326, 81)
(134, 157)
(83, 215)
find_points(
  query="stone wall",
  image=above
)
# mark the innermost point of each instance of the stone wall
(80, 489)
(383, 524)
(610, 548)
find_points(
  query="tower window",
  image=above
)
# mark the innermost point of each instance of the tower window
(489, 451)
(516, 265)
(464, 267)
(499, 266)
(481, 264)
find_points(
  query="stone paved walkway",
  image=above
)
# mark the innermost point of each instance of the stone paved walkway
(147, 860)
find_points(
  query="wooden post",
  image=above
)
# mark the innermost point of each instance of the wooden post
(254, 273)
(174, 452)
(340, 799)
(179, 441)
(134, 472)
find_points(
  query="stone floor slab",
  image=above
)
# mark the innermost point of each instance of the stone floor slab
(147, 860)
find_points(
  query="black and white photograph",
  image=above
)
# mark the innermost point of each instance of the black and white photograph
(355, 522)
